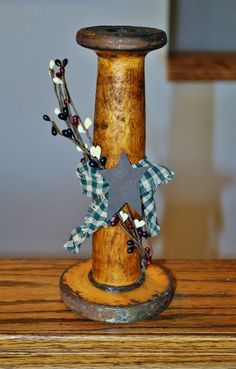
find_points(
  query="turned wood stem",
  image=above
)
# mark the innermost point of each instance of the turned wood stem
(119, 124)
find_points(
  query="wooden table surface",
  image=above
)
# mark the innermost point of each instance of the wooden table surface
(198, 330)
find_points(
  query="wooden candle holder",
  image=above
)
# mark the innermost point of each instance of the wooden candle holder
(111, 287)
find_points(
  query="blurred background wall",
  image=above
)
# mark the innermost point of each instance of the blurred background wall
(190, 128)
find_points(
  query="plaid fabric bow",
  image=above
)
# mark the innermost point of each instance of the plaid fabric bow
(94, 185)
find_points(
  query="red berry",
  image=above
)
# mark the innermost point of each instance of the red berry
(82, 160)
(62, 70)
(59, 74)
(114, 221)
(148, 250)
(130, 227)
(75, 120)
(149, 261)
(65, 102)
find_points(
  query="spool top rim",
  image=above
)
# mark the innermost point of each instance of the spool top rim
(121, 38)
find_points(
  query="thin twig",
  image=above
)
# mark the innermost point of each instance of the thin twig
(61, 96)
(132, 221)
(62, 93)
(75, 110)
(122, 225)
(138, 238)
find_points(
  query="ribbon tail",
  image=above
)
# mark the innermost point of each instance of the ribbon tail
(150, 213)
(96, 218)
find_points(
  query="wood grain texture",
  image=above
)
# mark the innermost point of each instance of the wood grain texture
(144, 302)
(199, 66)
(198, 330)
(119, 125)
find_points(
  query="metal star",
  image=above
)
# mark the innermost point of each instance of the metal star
(123, 186)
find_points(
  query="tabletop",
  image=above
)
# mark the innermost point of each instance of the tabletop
(198, 330)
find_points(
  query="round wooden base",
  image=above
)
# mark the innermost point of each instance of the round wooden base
(144, 302)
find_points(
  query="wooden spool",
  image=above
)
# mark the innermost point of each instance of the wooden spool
(119, 124)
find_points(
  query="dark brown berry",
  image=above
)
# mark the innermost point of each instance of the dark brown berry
(130, 227)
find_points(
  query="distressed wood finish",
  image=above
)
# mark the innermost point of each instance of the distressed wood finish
(119, 124)
(121, 38)
(144, 302)
(198, 330)
(199, 66)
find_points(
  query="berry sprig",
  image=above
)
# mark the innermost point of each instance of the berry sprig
(134, 229)
(75, 130)
(67, 112)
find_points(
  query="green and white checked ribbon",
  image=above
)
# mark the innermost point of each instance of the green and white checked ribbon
(94, 185)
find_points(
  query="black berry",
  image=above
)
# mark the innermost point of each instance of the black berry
(64, 62)
(54, 131)
(46, 117)
(144, 234)
(93, 164)
(103, 160)
(130, 250)
(62, 116)
(65, 110)
(58, 62)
